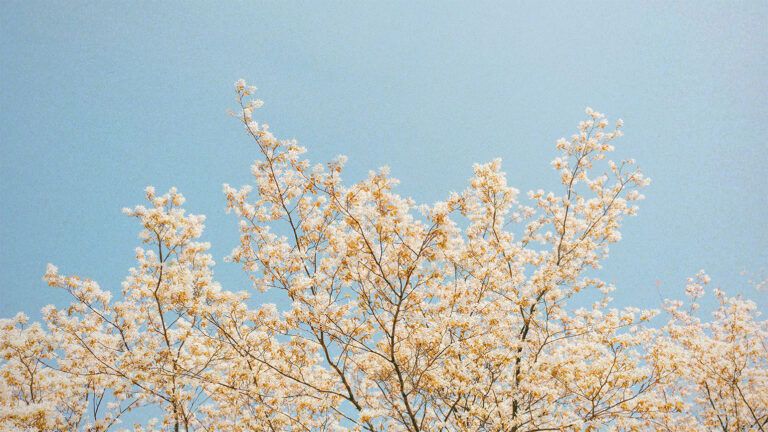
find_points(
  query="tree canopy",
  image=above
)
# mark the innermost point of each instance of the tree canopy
(455, 316)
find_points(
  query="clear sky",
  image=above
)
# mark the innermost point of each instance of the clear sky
(100, 99)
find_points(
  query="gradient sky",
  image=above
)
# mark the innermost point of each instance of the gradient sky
(100, 99)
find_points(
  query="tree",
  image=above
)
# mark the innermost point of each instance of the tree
(450, 317)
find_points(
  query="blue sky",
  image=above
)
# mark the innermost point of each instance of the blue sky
(100, 99)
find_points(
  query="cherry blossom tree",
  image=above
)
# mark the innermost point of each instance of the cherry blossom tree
(454, 316)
